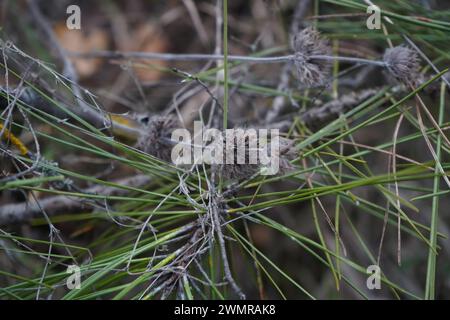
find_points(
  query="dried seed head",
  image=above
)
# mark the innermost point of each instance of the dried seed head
(403, 63)
(246, 170)
(236, 171)
(158, 132)
(306, 43)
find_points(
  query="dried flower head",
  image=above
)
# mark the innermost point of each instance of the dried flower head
(235, 170)
(158, 132)
(403, 63)
(238, 171)
(305, 44)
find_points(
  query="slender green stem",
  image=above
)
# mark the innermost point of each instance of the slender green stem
(431, 264)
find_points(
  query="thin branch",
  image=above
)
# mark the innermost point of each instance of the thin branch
(204, 56)
(23, 212)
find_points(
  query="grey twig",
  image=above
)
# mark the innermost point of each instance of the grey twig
(203, 57)
(216, 217)
(23, 212)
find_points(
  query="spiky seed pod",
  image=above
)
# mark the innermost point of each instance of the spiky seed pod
(236, 171)
(239, 172)
(157, 133)
(403, 64)
(306, 43)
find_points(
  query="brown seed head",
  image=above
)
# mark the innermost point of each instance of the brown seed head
(403, 64)
(236, 171)
(157, 131)
(310, 71)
